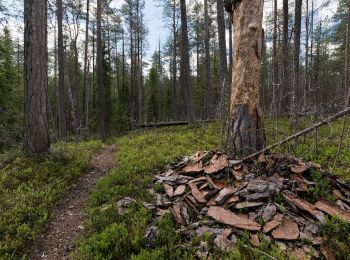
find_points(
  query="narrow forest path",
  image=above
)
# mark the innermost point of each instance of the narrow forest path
(57, 239)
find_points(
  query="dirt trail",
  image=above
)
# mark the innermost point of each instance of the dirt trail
(57, 238)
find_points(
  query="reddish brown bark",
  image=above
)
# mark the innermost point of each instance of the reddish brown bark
(36, 132)
(246, 133)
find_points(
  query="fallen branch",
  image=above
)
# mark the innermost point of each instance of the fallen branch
(294, 136)
(174, 123)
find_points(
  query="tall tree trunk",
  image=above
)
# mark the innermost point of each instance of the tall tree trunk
(36, 130)
(75, 87)
(85, 79)
(174, 67)
(62, 123)
(208, 94)
(295, 85)
(246, 134)
(185, 66)
(312, 60)
(347, 60)
(230, 48)
(306, 87)
(222, 52)
(275, 60)
(100, 73)
(285, 79)
(94, 103)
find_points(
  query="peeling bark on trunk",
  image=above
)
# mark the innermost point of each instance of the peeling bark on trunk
(36, 132)
(246, 133)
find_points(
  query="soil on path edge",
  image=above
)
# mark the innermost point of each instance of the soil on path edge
(57, 239)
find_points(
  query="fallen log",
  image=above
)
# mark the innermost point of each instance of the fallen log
(173, 123)
(294, 136)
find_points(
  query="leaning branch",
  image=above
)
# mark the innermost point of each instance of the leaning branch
(292, 137)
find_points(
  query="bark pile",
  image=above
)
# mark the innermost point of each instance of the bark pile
(273, 198)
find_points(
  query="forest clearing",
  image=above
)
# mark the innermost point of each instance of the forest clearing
(174, 129)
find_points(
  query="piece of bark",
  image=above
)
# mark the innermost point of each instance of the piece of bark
(191, 205)
(258, 186)
(180, 190)
(254, 239)
(237, 174)
(215, 184)
(226, 232)
(169, 190)
(277, 220)
(258, 196)
(262, 158)
(184, 213)
(224, 194)
(269, 212)
(216, 165)
(211, 202)
(248, 204)
(192, 169)
(198, 180)
(343, 205)
(176, 212)
(227, 217)
(196, 193)
(302, 186)
(125, 202)
(288, 230)
(192, 200)
(173, 180)
(232, 200)
(211, 194)
(149, 206)
(339, 195)
(150, 235)
(203, 186)
(223, 243)
(333, 210)
(202, 230)
(299, 169)
(239, 185)
(169, 172)
(303, 205)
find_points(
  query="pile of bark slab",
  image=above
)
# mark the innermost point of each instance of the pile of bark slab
(269, 198)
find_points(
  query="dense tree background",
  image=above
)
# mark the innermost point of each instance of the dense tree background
(139, 90)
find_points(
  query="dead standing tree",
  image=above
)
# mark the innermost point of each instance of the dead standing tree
(245, 131)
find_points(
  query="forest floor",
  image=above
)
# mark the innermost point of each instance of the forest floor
(32, 187)
(57, 239)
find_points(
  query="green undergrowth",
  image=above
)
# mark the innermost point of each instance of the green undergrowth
(141, 154)
(318, 146)
(29, 188)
